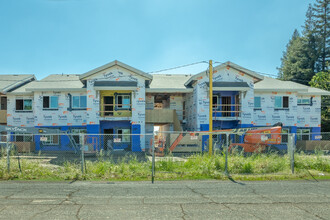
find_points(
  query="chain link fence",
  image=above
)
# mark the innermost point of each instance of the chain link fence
(167, 155)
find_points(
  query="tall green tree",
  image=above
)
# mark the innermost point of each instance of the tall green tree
(296, 64)
(321, 80)
(310, 53)
(311, 42)
(321, 16)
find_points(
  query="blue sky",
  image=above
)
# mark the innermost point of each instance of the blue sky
(45, 37)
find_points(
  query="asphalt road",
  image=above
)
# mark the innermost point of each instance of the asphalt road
(165, 200)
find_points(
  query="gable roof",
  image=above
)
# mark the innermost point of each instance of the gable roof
(169, 83)
(13, 81)
(251, 73)
(114, 63)
(270, 84)
(54, 82)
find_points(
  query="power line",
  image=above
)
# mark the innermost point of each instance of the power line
(178, 67)
(218, 62)
(266, 74)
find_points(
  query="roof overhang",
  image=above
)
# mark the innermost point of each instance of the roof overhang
(280, 90)
(56, 89)
(20, 93)
(155, 90)
(229, 86)
(18, 84)
(257, 77)
(115, 85)
(325, 93)
(114, 63)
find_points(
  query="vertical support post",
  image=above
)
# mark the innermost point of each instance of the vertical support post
(291, 149)
(226, 159)
(8, 152)
(81, 141)
(210, 107)
(153, 162)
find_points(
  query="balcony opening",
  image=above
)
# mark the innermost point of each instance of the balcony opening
(162, 101)
(108, 105)
(116, 104)
(226, 106)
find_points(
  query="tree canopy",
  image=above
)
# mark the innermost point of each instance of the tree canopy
(307, 55)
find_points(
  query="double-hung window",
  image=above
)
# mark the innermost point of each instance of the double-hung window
(50, 139)
(79, 102)
(23, 105)
(123, 101)
(50, 102)
(257, 102)
(303, 134)
(23, 137)
(281, 102)
(124, 135)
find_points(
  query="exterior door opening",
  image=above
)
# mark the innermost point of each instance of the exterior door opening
(108, 139)
(108, 106)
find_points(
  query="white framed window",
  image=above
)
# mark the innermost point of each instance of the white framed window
(257, 102)
(50, 139)
(23, 137)
(303, 134)
(50, 102)
(281, 102)
(23, 105)
(123, 101)
(124, 134)
(79, 102)
(304, 101)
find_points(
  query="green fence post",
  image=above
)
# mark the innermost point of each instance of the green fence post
(153, 162)
(226, 152)
(8, 152)
(291, 149)
(81, 141)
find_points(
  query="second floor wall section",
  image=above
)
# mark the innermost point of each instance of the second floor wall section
(48, 109)
(113, 92)
(233, 96)
(116, 92)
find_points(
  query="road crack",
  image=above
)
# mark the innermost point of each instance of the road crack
(202, 195)
(184, 214)
(317, 216)
(253, 190)
(43, 212)
(69, 197)
(8, 197)
(78, 211)
(226, 205)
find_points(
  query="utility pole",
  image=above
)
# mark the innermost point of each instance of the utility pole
(210, 107)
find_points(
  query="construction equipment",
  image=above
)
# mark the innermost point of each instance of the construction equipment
(255, 140)
(259, 140)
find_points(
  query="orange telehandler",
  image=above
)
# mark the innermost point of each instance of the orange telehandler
(255, 139)
(259, 140)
